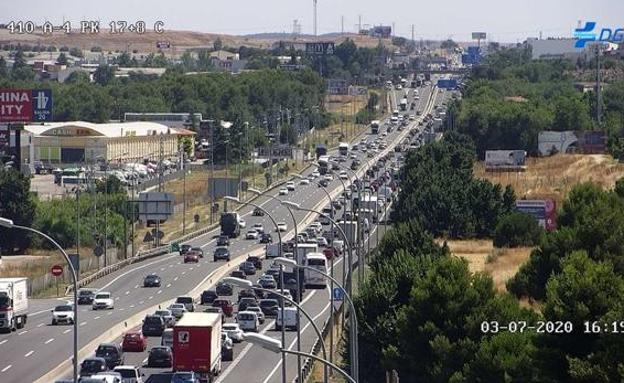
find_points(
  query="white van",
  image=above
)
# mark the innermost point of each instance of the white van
(290, 319)
(167, 338)
(248, 321)
(130, 374)
(338, 244)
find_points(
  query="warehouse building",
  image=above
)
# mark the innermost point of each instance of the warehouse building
(78, 141)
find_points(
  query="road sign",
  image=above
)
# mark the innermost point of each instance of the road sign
(24, 105)
(98, 251)
(321, 48)
(338, 294)
(42, 105)
(175, 247)
(56, 270)
(148, 237)
(155, 206)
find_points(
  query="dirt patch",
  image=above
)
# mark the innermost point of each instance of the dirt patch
(481, 255)
(554, 177)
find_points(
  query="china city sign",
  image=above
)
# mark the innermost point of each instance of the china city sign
(25, 105)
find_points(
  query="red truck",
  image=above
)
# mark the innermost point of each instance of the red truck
(197, 344)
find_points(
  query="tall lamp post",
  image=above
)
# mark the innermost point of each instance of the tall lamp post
(279, 254)
(296, 206)
(244, 283)
(275, 345)
(293, 264)
(7, 223)
(299, 292)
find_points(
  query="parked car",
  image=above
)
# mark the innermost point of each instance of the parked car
(221, 253)
(153, 325)
(160, 356)
(234, 331)
(112, 353)
(208, 296)
(134, 341)
(151, 280)
(93, 365)
(225, 305)
(224, 289)
(85, 296)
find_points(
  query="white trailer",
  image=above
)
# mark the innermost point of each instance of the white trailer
(13, 303)
(303, 249)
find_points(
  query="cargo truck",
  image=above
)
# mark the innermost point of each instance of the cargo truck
(304, 249)
(230, 224)
(197, 344)
(13, 303)
(375, 127)
(350, 229)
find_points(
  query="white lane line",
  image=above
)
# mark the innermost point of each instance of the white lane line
(131, 306)
(162, 269)
(3, 342)
(175, 279)
(97, 317)
(136, 286)
(23, 332)
(132, 270)
(170, 265)
(144, 361)
(39, 325)
(151, 297)
(159, 292)
(141, 302)
(29, 353)
(168, 285)
(83, 323)
(109, 314)
(120, 310)
(184, 272)
(66, 331)
(6, 368)
(49, 341)
(116, 298)
(127, 292)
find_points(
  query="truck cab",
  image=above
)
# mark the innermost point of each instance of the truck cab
(13, 303)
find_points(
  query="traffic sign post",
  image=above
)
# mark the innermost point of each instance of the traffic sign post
(57, 271)
(338, 296)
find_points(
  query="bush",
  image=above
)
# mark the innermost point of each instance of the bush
(517, 229)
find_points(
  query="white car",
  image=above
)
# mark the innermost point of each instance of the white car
(129, 374)
(316, 174)
(304, 181)
(63, 314)
(328, 177)
(251, 234)
(283, 191)
(316, 225)
(248, 321)
(177, 309)
(259, 228)
(322, 241)
(103, 300)
(344, 175)
(281, 226)
(242, 223)
(290, 185)
(234, 331)
(107, 377)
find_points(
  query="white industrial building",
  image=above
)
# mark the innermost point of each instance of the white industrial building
(556, 48)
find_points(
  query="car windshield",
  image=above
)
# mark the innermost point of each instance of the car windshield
(162, 313)
(63, 308)
(221, 250)
(127, 372)
(153, 320)
(85, 293)
(151, 277)
(102, 296)
(106, 351)
(184, 300)
(91, 364)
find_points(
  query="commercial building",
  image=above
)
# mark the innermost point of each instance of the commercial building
(556, 48)
(79, 141)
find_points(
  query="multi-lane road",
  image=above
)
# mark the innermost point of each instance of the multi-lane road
(30, 354)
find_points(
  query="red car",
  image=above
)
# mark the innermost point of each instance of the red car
(329, 253)
(191, 257)
(134, 341)
(226, 306)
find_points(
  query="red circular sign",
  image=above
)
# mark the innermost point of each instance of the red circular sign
(56, 270)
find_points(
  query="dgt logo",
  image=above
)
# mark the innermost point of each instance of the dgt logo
(587, 34)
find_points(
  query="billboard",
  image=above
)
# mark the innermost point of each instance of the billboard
(321, 48)
(382, 31)
(337, 87)
(545, 211)
(447, 84)
(222, 187)
(155, 206)
(550, 142)
(505, 160)
(280, 151)
(25, 105)
(479, 35)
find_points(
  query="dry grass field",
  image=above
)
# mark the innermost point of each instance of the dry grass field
(553, 177)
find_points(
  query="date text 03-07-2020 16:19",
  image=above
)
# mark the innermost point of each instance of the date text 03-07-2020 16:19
(553, 327)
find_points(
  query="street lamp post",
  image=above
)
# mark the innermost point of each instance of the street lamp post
(299, 292)
(296, 206)
(244, 283)
(354, 323)
(279, 254)
(7, 223)
(275, 345)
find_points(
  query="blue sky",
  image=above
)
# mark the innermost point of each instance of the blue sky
(503, 20)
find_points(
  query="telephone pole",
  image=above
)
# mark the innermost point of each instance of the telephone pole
(315, 18)
(598, 86)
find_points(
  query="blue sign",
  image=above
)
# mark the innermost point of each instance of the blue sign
(587, 34)
(447, 84)
(338, 294)
(42, 104)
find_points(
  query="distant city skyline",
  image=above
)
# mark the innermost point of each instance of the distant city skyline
(456, 19)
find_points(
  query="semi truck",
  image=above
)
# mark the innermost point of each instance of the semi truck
(375, 127)
(197, 344)
(323, 162)
(350, 229)
(230, 224)
(13, 303)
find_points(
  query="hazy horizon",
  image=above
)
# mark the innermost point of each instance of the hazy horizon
(504, 22)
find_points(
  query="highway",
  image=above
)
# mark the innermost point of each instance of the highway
(29, 354)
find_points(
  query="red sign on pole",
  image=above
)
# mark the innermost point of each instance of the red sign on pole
(56, 270)
(15, 105)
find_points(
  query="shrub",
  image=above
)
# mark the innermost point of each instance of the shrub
(517, 229)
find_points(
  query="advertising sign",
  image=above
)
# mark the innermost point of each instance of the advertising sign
(321, 48)
(447, 84)
(505, 160)
(545, 211)
(479, 35)
(24, 105)
(155, 206)
(281, 152)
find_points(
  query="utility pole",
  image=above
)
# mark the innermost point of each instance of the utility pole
(359, 23)
(183, 165)
(342, 25)
(315, 18)
(598, 90)
(212, 191)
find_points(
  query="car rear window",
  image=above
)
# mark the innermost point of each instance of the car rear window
(127, 372)
(153, 320)
(106, 351)
(184, 300)
(246, 317)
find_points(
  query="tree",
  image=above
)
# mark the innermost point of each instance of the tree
(218, 44)
(517, 229)
(111, 185)
(61, 59)
(104, 74)
(448, 44)
(17, 205)
(78, 76)
(76, 52)
(3, 68)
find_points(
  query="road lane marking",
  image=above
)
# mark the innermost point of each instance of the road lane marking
(3, 342)
(136, 286)
(109, 314)
(39, 325)
(131, 306)
(66, 331)
(83, 323)
(175, 279)
(6, 368)
(141, 302)
(97, 317)
(23, 332)
(159, 292)
(127, 292)
(168, 285)
(151, 297)
(29, 353)
(49, 341)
